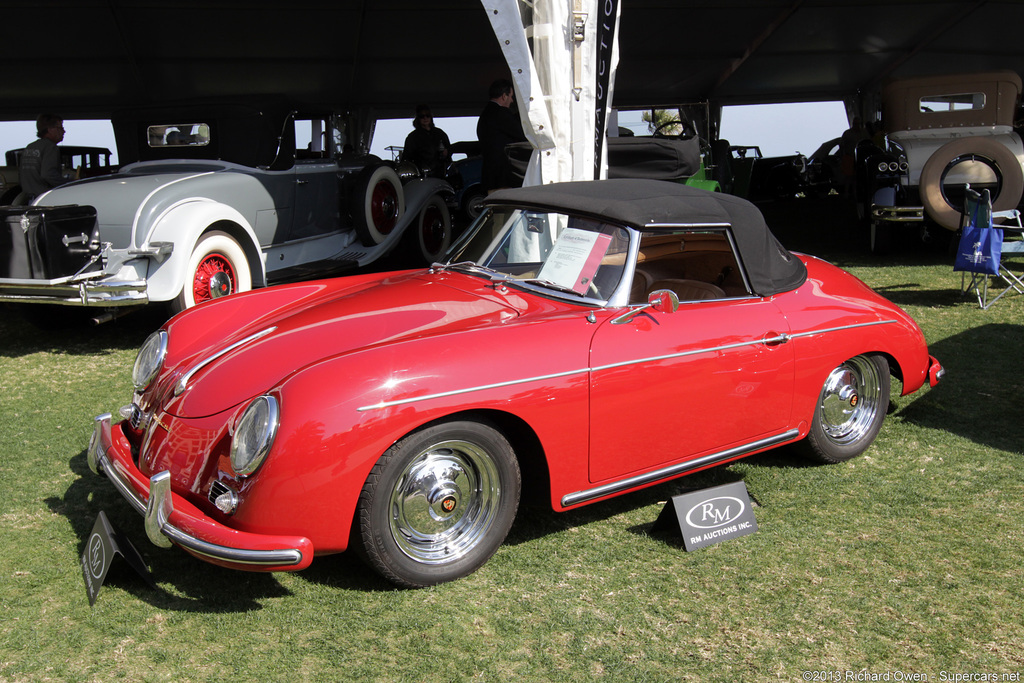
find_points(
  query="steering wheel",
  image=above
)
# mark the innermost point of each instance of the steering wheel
(686, 129)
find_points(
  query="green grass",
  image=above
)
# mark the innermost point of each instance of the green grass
(904, 560)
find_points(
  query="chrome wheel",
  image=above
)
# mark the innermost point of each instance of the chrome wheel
(438, 503)
(850, 409)
(444, 502)
(850, 401)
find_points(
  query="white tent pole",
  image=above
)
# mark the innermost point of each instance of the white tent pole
(558, 85)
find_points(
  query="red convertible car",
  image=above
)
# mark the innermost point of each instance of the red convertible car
(401, 414)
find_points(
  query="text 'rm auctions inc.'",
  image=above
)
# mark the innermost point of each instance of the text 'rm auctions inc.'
(834, 676)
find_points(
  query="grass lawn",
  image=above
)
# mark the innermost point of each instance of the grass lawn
(905, 561)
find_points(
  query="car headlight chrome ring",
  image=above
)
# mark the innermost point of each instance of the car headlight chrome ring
(254, 435)
(149, 360)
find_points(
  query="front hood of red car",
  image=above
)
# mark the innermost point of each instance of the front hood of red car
(288, 328)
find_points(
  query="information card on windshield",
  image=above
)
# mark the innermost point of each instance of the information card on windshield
(575, 258)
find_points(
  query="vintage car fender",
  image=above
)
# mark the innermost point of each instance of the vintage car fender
(183, 223)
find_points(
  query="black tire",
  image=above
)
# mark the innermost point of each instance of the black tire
(438, 503)
(216, 268)
(472, 203)
(377, 204)
(880, 237)
(850, 410)
(433, 231)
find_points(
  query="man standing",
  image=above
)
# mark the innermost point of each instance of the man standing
(39, 167)
(498, 126)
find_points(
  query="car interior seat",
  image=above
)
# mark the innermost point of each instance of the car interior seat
(689, 290)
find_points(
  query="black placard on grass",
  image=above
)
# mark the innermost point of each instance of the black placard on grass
(104, 544)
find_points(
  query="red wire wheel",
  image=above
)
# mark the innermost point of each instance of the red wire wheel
(216, 268)
(378, 204)
(434, 229)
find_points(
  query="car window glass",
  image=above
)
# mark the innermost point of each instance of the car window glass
(959, 102)
(573, 254)
(696, 264)
(179, 135)
(310, 138)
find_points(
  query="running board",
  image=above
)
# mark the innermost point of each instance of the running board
(312, 271)
(675, 470)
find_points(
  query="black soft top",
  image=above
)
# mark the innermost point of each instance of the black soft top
(652, 204)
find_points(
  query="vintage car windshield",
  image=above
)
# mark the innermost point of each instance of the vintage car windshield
(574, 255)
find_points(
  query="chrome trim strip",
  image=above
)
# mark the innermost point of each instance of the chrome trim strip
(162, 505)
(782, 338)
(468, 390)
(675, 470)
(182, 384)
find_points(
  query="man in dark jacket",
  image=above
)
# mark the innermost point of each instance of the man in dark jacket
(498, 126)
(39, 167)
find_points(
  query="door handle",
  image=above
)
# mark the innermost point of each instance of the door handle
(775, 339)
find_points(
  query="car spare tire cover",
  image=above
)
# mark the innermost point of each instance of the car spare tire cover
(988, 149)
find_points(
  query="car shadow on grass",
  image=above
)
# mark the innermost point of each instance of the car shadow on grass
(19, 337)
(186, 583)
(979, 397)
(536, 519)
(183, 582)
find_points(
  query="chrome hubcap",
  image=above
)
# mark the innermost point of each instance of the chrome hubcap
(444, 502)
(850, 401)
(220, 285)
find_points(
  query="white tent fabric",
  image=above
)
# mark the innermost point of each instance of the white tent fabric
(557, 83)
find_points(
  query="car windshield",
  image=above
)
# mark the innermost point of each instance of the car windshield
(574, 255)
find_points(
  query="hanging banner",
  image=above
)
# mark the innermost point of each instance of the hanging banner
(608, 11)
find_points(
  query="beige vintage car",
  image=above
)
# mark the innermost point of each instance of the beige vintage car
(952, 131)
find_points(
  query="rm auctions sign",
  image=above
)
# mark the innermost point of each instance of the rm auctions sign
(712, 515)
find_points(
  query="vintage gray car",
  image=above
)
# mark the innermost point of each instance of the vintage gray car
(212, 200)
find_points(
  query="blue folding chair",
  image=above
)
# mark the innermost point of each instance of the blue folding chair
(982, 245)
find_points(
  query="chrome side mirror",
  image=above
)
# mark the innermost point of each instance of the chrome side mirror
(661, 300)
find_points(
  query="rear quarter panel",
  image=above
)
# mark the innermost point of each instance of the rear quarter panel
(833, 317)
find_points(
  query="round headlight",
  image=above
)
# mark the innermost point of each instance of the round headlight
(149, 360)
(893, 166)
(882, 166)
(254, 435)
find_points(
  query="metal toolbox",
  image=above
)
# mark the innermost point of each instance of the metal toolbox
(47, 242)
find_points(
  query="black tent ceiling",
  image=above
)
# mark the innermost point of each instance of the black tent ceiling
(86, 58)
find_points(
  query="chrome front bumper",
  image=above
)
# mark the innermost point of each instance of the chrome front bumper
(159, 505)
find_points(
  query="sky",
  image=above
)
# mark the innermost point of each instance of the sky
(778, 129)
